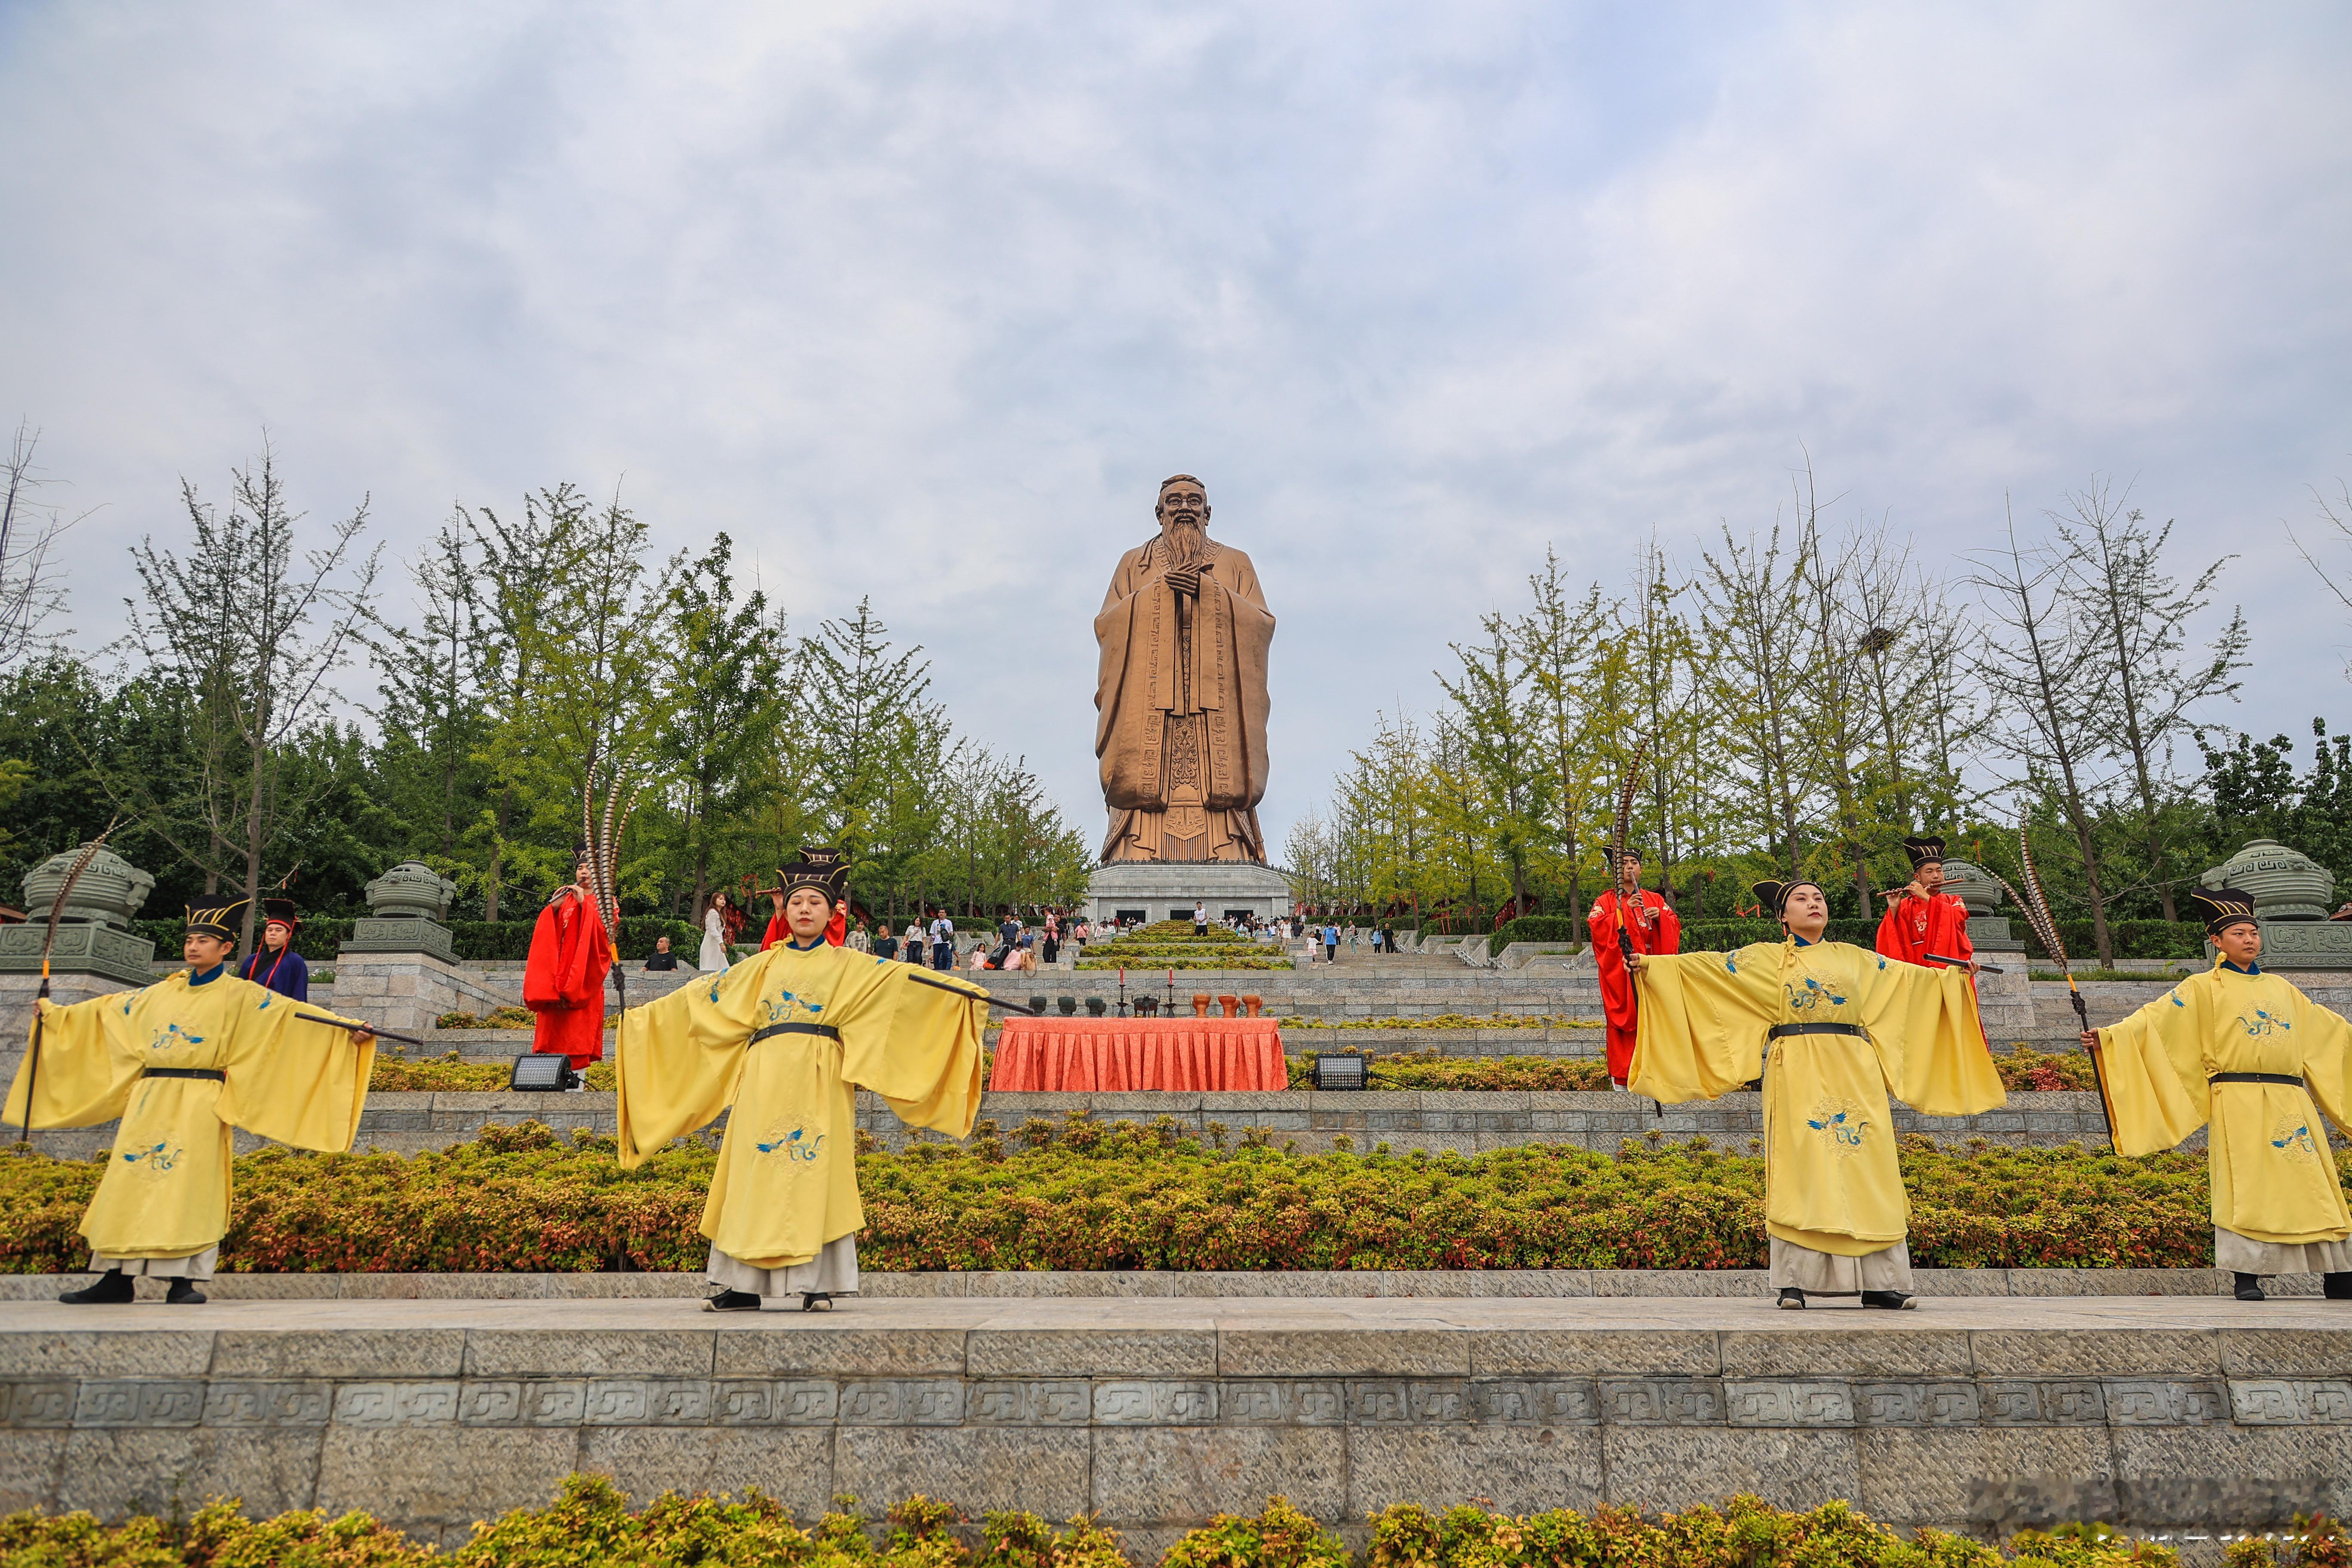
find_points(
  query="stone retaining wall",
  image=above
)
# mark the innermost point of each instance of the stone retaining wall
(1988, 1415)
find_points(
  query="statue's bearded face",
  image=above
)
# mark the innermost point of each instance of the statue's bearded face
(1183, 513)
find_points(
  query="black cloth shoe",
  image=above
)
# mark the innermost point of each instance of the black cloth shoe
(2250, 1288)
(112, 1289)
(2337, 1287)
(1792, 1298)
(732, 1301)
(815, 1300)
(184, 1293)
(1889, 1300)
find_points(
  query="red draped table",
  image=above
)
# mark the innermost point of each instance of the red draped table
(1109, 1054)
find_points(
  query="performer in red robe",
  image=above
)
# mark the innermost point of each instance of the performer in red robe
(1651, 925)
(836, 930)
(563, 980)
(1925, 918)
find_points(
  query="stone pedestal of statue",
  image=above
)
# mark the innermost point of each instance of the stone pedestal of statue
(1166, 892)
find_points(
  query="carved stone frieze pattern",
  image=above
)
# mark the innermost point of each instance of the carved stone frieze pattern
(1532, 1402)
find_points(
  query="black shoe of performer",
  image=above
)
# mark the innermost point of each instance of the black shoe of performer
(184, 1293)
(1792, 1298)
(733, 1301)
(812, 1300)
(112, 1289)
(1889, 1300)
(2250, 1288)
(2337, 1287)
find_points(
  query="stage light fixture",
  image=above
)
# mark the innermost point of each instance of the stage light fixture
(542, 1073)
(1339, 1072)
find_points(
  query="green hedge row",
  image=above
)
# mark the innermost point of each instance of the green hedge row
(591, 1522)
(320, 939)
(1083, 1195)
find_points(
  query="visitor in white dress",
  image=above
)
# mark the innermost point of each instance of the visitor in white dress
(713, 956)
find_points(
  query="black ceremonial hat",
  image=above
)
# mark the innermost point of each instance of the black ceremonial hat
(825, 869)
(1926, 851)
(281, 912)
(1774, 896)
(2223, 907)
(217, 917)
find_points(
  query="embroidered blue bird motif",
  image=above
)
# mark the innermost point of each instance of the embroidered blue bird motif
(791, 1145)
(156, 1156)
(170, 1034)
(1837, 1120)
(1731, 962)
(2300, 1135)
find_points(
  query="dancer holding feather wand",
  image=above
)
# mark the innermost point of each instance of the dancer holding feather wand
(183, 1062)
(2246, 1053)
(779, 1043)
(1832, 1031)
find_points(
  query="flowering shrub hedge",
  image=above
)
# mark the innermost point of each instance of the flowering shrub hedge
(590, 1522)
(1453, 1021)
(1083, 1195)
(1234, 958)
(1430, 1070)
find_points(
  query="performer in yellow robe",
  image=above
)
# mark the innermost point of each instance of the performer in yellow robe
(181, 1063)
(779, 1042)
(2260, 1062)
(1833, 1030)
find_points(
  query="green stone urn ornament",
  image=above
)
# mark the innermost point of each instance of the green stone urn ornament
(411, 891)
(2286, 884)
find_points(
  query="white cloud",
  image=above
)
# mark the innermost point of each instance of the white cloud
(920, 300)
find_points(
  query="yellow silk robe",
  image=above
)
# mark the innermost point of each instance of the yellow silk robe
(166, 1189)
(787, 1176)
(2274, 1176)
(1832, 1183)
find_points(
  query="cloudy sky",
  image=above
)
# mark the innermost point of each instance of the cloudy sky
(921, 301)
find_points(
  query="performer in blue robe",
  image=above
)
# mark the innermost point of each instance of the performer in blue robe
(275, 964)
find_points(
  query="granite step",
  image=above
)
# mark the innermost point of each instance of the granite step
(2173, 1415)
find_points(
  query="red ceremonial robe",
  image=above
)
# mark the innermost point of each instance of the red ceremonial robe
(1915, 927)
(1653, 926)
(563, 980)
(836, 931)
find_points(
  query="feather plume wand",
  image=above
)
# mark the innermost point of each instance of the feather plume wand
(49, 942)
(2036, 909)
(603, 848)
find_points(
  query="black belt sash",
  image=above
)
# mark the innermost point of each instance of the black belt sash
(215, 1074)
(2288, 1079)
(1783, 1031)
(827, 1030)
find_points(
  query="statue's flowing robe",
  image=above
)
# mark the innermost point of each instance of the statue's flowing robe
(163, 1206)
(1181, 705)
(2278, 1207)
(780, 1042)
(1833, 1185)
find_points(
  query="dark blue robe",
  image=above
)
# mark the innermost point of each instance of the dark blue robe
(285, 974)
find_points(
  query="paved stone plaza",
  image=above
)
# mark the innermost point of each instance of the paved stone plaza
(2166, 1414)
